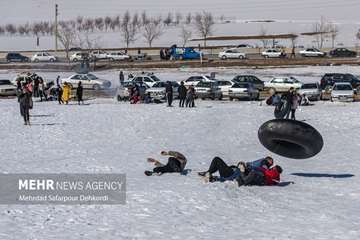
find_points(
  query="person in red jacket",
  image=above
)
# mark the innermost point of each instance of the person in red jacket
(261, 176)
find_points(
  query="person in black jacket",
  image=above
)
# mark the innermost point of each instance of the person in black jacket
(182, 94)
(79, 93)
(169, 93)
(25, 102)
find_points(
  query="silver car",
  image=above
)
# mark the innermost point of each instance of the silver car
(310, 90)
(7, 88)
(342, 91)
(157, 91)
(208, 89)
(243, 91)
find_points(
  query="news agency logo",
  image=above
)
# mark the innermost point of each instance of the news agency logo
(62, 189)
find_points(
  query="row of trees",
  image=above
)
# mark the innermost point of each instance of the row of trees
(79, 32)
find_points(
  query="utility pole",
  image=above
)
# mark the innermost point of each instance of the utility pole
(56, 27)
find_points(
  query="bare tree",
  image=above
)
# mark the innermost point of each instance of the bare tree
(2, 30)
(204, 23)
(144, 18)
(107, 22)
(188, 19)
(115, 23)
(185, 35)
(169, 19)
(334, 31)
(263, 32)
(10, 29)
(67, 38)
(321, 30)
(99, 24)
(136, 21)
(86, 41)
(79, 23)
(128, 28)
(152, 30)
(178, 18)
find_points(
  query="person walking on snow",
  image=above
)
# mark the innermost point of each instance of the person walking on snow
(169, 93)
(182, 94)
(66, 93)
(25, 102)
(79, 93)
(296, 99)
(176, 163)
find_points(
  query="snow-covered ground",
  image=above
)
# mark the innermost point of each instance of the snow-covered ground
(110, 137)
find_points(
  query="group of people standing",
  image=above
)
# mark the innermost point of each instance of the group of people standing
(261, 172)
(64, 92)
(290, 101)
(186, 95)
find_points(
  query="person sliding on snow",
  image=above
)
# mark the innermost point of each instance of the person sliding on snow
(260, 176)
(176, 163)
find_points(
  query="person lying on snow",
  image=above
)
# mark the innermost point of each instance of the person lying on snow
(176, 163)
(252, 173)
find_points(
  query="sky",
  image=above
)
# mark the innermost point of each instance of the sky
(13, 11)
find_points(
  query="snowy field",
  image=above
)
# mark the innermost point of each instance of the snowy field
(110, 137)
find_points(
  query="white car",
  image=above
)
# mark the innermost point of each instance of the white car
(342, 91)
(99, 55)
(282, 84)
(311, 90)
(194, 80)
(88, 81)
(273, 53)
(43, 57)
(157, 91)
(243, 90)
(233, 53)
(225, 85)
(117, 56)
(78, 56)
(148, 79)
(312, 52)
(7, 88)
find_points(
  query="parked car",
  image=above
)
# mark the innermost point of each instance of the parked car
(273, 53)
(117, 56)
(342, 52)
(259, 84)
(208, 89)
(244, 46)
(329, 79)
(187, 53)
(148, 79)
(311, 90)
(123, 91)
(225, 85)
(194, 80)
(79, 56)
(73, 49)
(43, 57)
(342, 91)
(16, 57)
(282, 84)
(243, 91)
(7, 88)
(99, 55)
(88, 81)
(232, 53)
(157, 91)
(312, 52)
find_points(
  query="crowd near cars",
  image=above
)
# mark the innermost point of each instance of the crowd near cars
(332, 86)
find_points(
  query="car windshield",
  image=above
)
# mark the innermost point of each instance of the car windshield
(159, 85)
(204, 84)
(240, 85)
(5, 82)
(153, 77)
(92, 77)
(309, 86)
(343, 87)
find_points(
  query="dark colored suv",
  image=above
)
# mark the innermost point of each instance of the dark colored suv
(330, 78)
(16, 57)
(259, 85)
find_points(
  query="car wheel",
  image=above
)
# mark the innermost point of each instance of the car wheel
(241, 57)
(220, 97)
(96, 87)
(223, 57)
(331, 99)
(75, 60)
(112, 59)
(119, 98)
(52, 60)
(231, 99)
(36, 60)
(266, 56)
